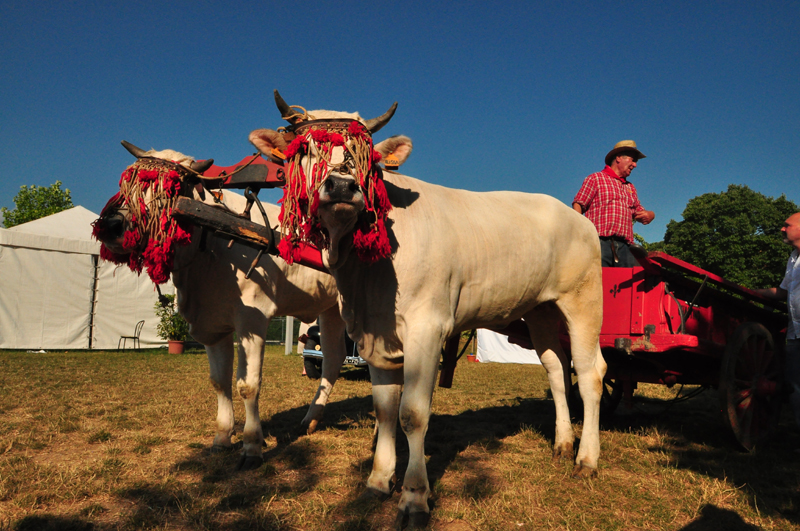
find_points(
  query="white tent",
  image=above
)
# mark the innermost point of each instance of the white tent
(494, 347)
(56, 293)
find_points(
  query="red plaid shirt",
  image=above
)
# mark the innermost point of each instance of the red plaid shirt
(610, 203)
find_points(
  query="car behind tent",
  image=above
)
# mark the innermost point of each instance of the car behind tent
(56, 293)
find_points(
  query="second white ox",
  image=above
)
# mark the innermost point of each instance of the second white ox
(217, 300)
(460, 260)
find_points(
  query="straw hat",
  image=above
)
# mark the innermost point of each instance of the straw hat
(621, 147)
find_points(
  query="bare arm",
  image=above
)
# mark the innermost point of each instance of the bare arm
(577, 208)
(644, 216)
(772, 293)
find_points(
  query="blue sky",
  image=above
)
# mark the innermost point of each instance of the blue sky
(525, 96)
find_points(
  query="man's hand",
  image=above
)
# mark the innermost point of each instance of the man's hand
(644, 216)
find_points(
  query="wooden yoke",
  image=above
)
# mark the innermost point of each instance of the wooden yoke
(227, 224)
(251, 175)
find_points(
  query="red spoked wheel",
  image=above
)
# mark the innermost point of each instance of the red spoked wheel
(749, 384)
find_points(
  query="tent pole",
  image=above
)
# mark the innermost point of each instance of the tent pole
(95, 279)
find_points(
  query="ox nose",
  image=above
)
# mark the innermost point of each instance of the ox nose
(115, 225)
(341, 188)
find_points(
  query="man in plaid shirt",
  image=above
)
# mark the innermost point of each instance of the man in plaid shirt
(610, 201)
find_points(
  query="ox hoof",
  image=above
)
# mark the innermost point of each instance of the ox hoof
(220, 449)
(565, 452)
(249, 462)
(584, 472)
(413, 520)
(372, 496)
(312, 426)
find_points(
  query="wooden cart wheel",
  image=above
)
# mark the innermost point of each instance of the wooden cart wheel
(749, 384)
(609, 400)
(612, 395)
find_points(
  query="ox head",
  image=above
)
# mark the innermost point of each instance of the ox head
(135, 226)
(335, 196)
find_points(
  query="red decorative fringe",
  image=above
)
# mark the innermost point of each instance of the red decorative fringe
(299, 216)
(158, 229)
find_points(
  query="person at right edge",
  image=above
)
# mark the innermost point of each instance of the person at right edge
(610, 201)
(789, 290)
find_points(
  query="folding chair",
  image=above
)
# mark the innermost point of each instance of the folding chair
(135, 337)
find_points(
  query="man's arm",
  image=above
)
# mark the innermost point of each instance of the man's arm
(577, 207)
(644, 216)
(772, 293)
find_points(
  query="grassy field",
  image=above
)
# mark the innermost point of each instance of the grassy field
(108, 440)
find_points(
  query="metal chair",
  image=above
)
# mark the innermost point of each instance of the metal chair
(135, 337)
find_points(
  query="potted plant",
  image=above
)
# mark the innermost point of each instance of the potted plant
(172, 327)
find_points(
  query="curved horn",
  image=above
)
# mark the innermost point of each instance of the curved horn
(200, 166)
(284, 108)
(133, 150)
(374, 125)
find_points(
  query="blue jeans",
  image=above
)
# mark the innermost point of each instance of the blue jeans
(792, 375)
(623, 252)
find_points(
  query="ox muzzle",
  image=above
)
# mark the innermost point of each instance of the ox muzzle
(339, 189)
(114, 224)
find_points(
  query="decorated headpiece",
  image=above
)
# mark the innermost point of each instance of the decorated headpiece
(148, 189)
(299, 213)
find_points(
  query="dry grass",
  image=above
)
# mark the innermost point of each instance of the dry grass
(121, 441)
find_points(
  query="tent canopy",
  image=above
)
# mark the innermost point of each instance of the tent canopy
(494, 347)
(55, 292)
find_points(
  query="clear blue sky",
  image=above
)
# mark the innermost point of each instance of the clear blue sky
(509, 95)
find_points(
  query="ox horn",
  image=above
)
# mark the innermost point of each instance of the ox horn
(374, 125)
(200, 166)
(283, 107)
(133, 150)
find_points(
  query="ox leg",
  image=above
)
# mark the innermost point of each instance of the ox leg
(590, 368)
(386, 387)
(419, 378)
(331, 328)
(583, 324)
(248, 383)
(543, 326)
(220, 364)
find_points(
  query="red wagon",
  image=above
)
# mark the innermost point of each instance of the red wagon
(665, 322)
(669, 322)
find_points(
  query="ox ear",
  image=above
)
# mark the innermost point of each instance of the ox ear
(398, 146)
(265, 140)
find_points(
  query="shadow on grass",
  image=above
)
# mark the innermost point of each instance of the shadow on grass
(49, 522)
(697, 439)
(712, 518)
(694, 438)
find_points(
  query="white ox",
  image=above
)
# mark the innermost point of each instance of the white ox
(460, 260)
(217, 300)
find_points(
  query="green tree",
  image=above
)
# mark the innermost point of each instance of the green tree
(649, 247)
(36, 202)
(734, 234)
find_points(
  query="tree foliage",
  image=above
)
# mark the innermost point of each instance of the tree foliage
(734, 234)
(34, 202)
(648, 247)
